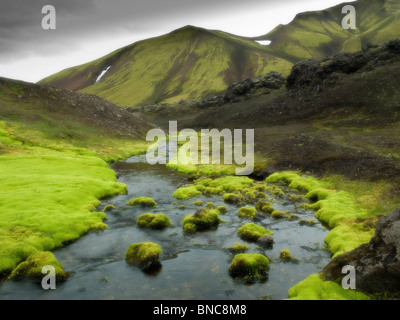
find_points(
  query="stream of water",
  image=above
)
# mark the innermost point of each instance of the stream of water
(193, 266)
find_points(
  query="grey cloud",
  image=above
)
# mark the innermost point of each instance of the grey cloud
(78, 20)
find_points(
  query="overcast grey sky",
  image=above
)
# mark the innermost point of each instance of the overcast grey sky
(89, 29)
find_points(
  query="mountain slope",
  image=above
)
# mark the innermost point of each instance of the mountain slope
(315, 35)
(188, 63)
(59, 119)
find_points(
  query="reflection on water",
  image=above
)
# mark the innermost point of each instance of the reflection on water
(193, 267)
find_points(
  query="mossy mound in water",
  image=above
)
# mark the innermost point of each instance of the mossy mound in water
(252, 266)
(32, 267)
(239, 248)
(144, 255)
(264, 207)
(142, 201)
(210, 205)
(247, 212)
(233, 198)
(198, 203)
(153, 221)
(222, 209)
(109, 208)
(201, 220)
(185, 193)
(252, 232)
(286, 256)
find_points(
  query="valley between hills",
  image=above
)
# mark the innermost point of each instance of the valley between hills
(324, 104)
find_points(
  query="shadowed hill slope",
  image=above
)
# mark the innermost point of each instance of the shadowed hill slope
(55, 118)
(339, 116)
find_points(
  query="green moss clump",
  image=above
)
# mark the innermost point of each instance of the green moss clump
(198, 203)
(251, 266)
(232, 198)
(309, 222)
(277, 214)
(153, 221)
(98, 226)
(291, 216)
(304, 206)
(201, 220)
(210, 205)
(32, 267)
(222, 209)
(213, 191)
(314, 288)
(109, 208)
(286, 256)
(185, 193)
(239, 248)
(142, 201)
(252, 232)
(247, 212)
(145, 255)
(264, 207)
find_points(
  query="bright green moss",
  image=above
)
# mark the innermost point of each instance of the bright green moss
(239, 248)
(247, 212)
(32, 267)
(48, 199)
(210, 205)
(185, 193)
(295, 181)
(142, 201)
(232, 198)
(291, 216)
(314, 288)
(222, 209)
(201, 220)
(252, 232)
(109, 208)
(153, 221)
(144, 255)
(231, 183)
(264, 207)
(213, 191)
(286, 256)
(277, 214)
(338, 209)
(97, 227)
(252, 266)
(198, 203)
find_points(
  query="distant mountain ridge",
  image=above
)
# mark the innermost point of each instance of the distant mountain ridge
(315, 35)
(191, 63)
(187, 63)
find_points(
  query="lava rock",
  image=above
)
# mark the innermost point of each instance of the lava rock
(377, 263)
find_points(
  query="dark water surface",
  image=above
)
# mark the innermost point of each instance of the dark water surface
(193, 267)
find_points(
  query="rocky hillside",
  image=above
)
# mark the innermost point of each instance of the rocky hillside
(337, 116)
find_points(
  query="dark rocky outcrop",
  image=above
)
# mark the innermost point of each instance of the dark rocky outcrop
(312, 74)
(377, 263)
(272, 81)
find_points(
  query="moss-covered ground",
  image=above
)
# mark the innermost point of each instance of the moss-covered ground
(53, 173)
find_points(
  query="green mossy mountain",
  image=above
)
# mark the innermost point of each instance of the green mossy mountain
(191, 63)
(317, 34)
(188, 63)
